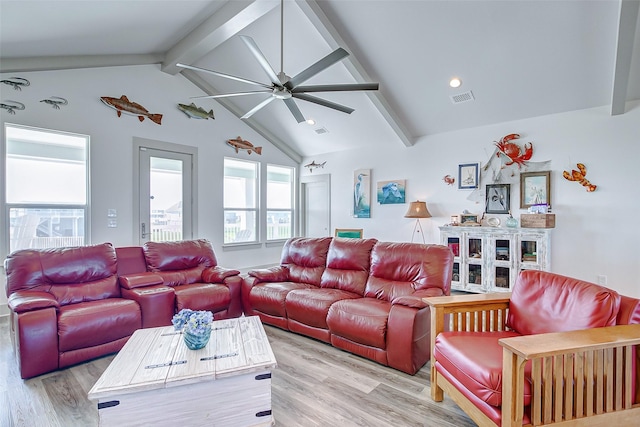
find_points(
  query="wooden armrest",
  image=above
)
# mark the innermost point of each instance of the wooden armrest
(452, 302)
(574, 375)
(556, 343)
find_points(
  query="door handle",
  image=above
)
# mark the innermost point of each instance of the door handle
(144, 231)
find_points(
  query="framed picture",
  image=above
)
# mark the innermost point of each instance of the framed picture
(498, 199)
(468, 176)
(362, 193)
(469, 219)
(535, 189)
(390, 192)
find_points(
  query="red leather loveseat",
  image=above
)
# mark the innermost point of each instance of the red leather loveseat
(359, 295)
(557, 350)
(69, 305)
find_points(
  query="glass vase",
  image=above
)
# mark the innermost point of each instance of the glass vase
(196, 341)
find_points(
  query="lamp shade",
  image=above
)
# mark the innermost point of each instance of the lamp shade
(418, 210)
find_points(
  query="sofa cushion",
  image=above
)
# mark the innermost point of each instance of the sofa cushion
(202, 296)
(399, 269)
(182, 277)
(92, 323)
(311, 306)
(306, 258)
(182, 255)
(361, 320)
(475, 360)
(546, 302)
(348, 262)
(270, 298)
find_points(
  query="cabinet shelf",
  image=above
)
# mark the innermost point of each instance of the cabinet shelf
(488, 259)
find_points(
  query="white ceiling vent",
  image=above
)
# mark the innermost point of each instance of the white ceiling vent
(462, 97)
(322, 130)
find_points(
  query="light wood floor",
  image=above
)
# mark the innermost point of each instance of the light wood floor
(313, 385)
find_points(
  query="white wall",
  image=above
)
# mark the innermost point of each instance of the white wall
(596, 233)
(111, 144)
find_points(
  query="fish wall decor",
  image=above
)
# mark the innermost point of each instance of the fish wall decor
(580, 177)
(240, 144)
(194, 112)
(123, 105)
(11, 106)
(16, 82)
(313, 165)
(55, 102)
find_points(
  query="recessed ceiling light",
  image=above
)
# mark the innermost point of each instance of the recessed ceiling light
(455, 82)
(311, 122)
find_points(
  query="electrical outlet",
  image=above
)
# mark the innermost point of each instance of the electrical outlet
(602, 280)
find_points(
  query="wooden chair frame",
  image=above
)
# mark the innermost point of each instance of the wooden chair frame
(597, 363)
(354, 233)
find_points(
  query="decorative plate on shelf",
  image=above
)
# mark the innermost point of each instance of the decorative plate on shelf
(494, 222)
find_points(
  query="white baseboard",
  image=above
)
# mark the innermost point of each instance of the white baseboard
(4, 310)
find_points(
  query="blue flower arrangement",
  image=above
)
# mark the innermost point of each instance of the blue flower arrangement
(193, 322)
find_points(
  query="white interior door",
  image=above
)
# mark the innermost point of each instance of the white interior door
(165, 185)
(316, 205)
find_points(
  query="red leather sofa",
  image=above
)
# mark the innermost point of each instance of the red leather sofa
(360, 295)
(69, 305)
(552, 351)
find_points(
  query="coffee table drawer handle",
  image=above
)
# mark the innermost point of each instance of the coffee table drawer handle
(263, 376)
(218, 356)
(263, 413)
(162, 365)
(108, 404)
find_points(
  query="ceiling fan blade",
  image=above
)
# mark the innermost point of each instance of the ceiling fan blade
(226, 76)
(323, 102)
(255, 50)
(225, 95)
(335, 56)
(257, 107)
(336, 88)
(294, 110)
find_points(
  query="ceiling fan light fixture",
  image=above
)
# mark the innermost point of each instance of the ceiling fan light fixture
(281, 93)
(455, 82)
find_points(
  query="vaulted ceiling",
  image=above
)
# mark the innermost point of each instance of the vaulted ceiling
(516, 59)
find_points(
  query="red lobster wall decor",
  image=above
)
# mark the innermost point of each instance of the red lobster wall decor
(513, 151)
(579, 176)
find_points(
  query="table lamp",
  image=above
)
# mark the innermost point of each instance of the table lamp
(417, 210)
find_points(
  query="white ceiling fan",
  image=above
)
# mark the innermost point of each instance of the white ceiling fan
(286, 88)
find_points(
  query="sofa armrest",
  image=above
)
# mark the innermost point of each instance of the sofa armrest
(597, 364)
(218, 274)
(279, 273)
(22, 301)
(416, 299)
(139, 280)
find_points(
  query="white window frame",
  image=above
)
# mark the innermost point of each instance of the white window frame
(6, 225)
(255, 210)
(292, 200)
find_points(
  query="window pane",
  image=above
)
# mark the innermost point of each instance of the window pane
(240, 184)
(45, 228)
(279, 202)
(240, 201)
(165, 187)
(239, 226)
(279, 184)
(45, 167)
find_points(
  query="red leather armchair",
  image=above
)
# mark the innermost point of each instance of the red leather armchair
(66, 307)
(360, 295)
(556, 351)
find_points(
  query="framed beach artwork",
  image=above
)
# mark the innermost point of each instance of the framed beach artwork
(468, 176)
(362, 193)
(535, 189)
(390, 192)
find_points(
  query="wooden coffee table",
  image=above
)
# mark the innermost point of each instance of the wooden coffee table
(156, 380)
